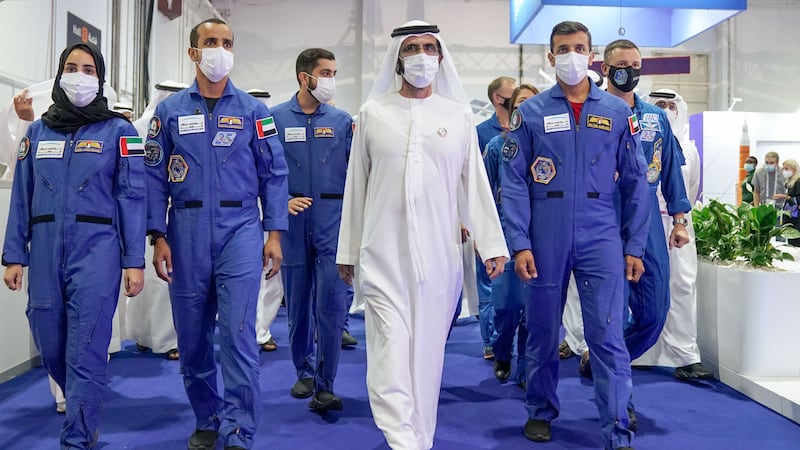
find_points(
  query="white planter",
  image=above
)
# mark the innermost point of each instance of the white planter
(748, 320)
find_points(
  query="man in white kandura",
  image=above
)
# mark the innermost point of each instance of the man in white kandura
(415, 174)
(677, 344)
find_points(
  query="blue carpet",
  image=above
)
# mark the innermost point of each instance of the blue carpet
(146, 407)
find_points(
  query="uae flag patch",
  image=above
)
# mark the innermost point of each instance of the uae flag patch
(131, 146)
(266, 127)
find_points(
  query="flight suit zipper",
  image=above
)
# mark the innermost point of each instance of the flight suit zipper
(67, 158)
(209, 172)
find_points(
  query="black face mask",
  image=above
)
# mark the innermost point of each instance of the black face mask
(506, 103)
(624, 78)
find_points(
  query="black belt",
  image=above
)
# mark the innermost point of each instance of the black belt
(592, 195)
(93, 219)
(78, 218)
(555, 194)
(43, 218)
(185, 204)
(325, 195)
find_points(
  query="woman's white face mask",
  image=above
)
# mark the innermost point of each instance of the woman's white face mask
(81, 89)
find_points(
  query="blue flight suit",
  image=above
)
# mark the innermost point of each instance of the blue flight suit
(648, 299)
(77, 218)
(211, 167)
(487, 130)
(558, 186)
(317, 148)
(507, 289)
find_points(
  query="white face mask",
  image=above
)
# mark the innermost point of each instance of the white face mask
(215, 63)
(787, 174)
(571, 67)
(81, 89)
(325, 90)
(420, 69)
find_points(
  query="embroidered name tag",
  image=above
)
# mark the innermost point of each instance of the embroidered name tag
(294, 134)
(558, 122)
(50, 149)
(191, 124)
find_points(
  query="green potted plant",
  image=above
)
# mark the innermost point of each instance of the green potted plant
(743, 304)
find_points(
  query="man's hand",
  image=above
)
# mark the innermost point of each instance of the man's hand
(13, 277)
(299, 204)
(464, 233)
(346, 273)
(525, 265)
(495, 266)
(24, 106)
(634, 268)
(272, 252)
(162, 260)
(679, 236)
(134, 281)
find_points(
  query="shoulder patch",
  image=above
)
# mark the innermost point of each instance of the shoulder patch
(155, 127)
(543, 170)
(177, 169)
(152, 153)
(650, 117)
(599, 122)
(510, 149)
(515, 120)
(266, 127)
(131, 146)
(633, 124)
(24, 148)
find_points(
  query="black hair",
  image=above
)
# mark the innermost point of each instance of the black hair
(194, 35)
(309, 58)
(567, 27)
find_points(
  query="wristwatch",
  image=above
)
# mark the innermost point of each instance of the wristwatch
(155, 236)
(682, 221)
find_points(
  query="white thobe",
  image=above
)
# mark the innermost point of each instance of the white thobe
(677, 343)
(410, 161)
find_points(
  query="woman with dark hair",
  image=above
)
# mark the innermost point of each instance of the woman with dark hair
(77, 220)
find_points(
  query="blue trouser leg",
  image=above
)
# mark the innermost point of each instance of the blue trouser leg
(507, 302)
(73, 338)
(194, 310)
(648, 299)
(331, 309)
(485, 308)
(297, 285)
(522, 341)
(238, 271)
(349, 304)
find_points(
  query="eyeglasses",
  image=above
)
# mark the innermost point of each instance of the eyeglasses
(413, 49)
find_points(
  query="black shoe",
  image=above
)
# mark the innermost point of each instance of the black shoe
(585, 366)
(502, 370)
(625, 448)
(633, 421)
(325, 401)
(303, 388)
(537, 430)
(696, 371)
(488, 353)
(348, 340)
(564, 351)
(203, 440)
(234, 447)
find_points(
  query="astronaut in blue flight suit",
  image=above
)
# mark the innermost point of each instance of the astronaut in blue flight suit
(499, 93)
(316, 138)
(566, 148)
(77, 220)
(648, 299)
(212, 152)
(507, 289)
